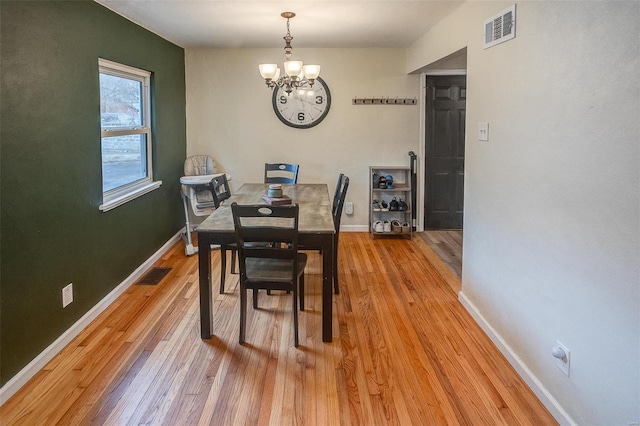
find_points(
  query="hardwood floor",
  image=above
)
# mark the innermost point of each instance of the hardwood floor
(404, 352)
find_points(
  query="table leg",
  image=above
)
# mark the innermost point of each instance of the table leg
(204, 267)
(327, 290)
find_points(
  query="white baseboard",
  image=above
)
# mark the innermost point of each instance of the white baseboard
(354, 228)
(30, 370)
(521, 368)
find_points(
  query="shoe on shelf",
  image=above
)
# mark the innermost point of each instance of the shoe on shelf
(406, 228)
(384, 206)
(376, 205)
(393, 205)
(402, 206)
(396, 227)
(378, 226)
(386, 225)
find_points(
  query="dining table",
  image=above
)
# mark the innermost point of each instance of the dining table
(316, 231)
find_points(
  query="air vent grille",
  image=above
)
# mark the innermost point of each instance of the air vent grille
(500, 28)
(154, 276)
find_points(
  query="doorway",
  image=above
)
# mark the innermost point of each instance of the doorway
(444, 152)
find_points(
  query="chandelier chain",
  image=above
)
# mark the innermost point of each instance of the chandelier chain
(287, 46)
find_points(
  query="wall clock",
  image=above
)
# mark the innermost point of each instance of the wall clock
(304, 107)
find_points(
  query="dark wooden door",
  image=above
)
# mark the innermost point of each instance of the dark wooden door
(444, 151)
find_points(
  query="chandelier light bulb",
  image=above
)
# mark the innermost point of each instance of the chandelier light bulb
(311, 71)
(293, 69)
(268, 71)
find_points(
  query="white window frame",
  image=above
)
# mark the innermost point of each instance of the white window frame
(118, 196)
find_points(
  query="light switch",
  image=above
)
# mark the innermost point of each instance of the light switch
(483, 131)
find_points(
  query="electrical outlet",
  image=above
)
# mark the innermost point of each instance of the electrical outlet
(562, 357)
(348, 207)
(67, 295)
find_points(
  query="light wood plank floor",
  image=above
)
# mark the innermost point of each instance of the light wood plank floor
(447, 245)
(404, 352)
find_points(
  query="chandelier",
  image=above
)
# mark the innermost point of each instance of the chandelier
(296, 74)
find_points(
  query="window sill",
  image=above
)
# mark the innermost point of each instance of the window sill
(116, 202)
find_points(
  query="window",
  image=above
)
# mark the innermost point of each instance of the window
(125, 118)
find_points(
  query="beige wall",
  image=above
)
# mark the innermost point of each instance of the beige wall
(230, 117)
(552, 200)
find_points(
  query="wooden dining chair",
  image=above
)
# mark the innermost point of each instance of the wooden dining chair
(336, 211)
(273, 266)
(338, 204)
(280, 173)
(219, 187)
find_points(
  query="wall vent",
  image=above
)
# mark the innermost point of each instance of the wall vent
(500, 28)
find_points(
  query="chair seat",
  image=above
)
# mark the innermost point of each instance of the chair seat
(272, 270)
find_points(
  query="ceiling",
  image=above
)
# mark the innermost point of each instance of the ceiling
(318, 23)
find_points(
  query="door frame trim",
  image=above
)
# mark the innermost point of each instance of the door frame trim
(421, 153)
(446, 72)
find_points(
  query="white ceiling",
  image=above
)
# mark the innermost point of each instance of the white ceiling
(318, 23)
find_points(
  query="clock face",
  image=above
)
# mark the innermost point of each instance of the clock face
(303, 107)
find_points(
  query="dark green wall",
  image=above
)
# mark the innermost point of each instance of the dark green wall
(52, 232)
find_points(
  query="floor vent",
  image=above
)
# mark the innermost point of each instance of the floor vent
(154, 276)
(500, 28)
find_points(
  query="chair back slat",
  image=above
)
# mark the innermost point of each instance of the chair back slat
(281, 173)
(220, 189)
(338, 200)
